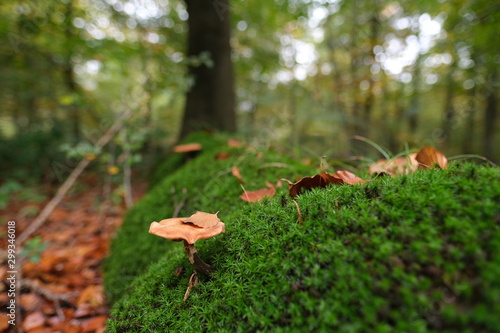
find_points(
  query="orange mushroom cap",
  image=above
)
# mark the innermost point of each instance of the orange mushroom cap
(177, 229)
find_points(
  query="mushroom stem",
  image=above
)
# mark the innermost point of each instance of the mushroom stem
(195, 260)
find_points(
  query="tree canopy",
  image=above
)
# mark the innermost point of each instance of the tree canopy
(310, 73)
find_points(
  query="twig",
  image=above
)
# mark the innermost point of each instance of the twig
(181, 204)
(299, 214)
(68, 183)
(193, 282)
(55, 298)
(274, 165)
(127, 177)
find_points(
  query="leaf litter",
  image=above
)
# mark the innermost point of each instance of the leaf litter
(62, 291)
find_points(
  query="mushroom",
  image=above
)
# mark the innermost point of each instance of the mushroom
(190, 229)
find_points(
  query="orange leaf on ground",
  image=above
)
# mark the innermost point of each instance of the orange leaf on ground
(236, 172)
(427, 157)
(307, 183)
(397, 166)
(233, 143)
(203, 220)
(253, 196)
(222, 155)
(348, 177)
(92, 295)
(33, 320)
(94, 324)
(186, 148)
(4, 322)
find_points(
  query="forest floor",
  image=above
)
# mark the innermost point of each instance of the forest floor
(62, 281)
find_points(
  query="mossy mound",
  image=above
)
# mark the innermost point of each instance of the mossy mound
(205, 183)
(417, 253)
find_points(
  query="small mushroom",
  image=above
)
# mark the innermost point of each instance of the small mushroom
(190, 229)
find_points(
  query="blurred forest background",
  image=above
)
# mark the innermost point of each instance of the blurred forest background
(309, 75)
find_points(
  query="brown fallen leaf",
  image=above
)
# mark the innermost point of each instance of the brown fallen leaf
(222, 155)
(33, 320)
(4, 323)
(254, 196)
(307, 183)
(402, 165)
(269, 184)
(428, 157)
(233, 143)
(93, 324)
(203, 220)
(186, 148)
(236, 172)
(93, 295)
(348, 177)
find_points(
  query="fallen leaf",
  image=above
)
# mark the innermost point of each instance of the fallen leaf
(4, 322)
(93, 324)
(427, 157)
(402, 165)
(253, 196)
(30, 301)
(179, 270)
(233, 143)
(187, 148)
(93, 295)
(33, 320)
(307, 183)
(236, 172)
(203, 220)
(348, 177)
(222, 155)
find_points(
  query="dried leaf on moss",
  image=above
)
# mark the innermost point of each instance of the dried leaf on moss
(254, 196)
(428, 157)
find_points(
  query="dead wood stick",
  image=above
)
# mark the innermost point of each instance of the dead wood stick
(68, 183)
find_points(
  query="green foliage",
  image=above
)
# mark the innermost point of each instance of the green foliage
(33, 248)
(417, 253)
(30, 156)
(6, 190)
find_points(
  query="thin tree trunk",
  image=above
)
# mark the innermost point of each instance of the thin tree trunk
(414, 107)
(449, 109)
(68, 74)
(490, 117)
(210, 101)
(370, 97)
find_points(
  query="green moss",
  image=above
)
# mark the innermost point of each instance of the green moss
(418, 253)
(210, 187)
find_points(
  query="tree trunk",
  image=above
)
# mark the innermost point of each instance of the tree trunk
(490, 118)
(68, 74)
(449, 111)
(414, 107)
(210, 101)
